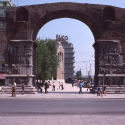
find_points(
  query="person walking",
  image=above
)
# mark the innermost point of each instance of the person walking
(39, 88)
(53, 88)
(80, 87)
(98, 91)
(48, 84)
(14, 89)
(59, 84)
(46, 87)
(72, 83)
(88, 86)
(104, 90)
(23, 87)
(62, 86)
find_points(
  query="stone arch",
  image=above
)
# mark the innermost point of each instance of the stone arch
(94, 16)
(65, 14)
(109, 14)
(22, 14)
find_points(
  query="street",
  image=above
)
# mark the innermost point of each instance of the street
(62, 111)
(62, 106)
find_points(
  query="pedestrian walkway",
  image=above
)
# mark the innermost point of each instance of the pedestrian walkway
(64, 120)
(68, 92)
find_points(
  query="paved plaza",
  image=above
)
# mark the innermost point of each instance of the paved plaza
(68, 92)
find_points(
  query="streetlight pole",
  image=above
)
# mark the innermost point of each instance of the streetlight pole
(86, 69)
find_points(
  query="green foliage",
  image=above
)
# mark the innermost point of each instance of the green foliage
(79, 75)
(51, 45)
(46, 59)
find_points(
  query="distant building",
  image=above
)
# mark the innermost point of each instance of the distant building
(67, 61)
(4, 4)
(65, 52)
(60, 70)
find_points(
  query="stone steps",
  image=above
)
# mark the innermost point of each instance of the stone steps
(28, 90)
(110, 90)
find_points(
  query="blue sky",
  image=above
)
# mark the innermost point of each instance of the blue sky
(79, 34)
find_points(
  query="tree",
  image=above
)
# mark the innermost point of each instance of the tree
(51, 45)
(79, 75)
(46, 59)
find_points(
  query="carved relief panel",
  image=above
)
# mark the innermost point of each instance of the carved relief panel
(18, 55)
(110, 58)
(111, 81)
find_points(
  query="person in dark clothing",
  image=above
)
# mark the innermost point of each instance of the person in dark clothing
(72, 83)
(46, 87)
(59, 84)
(104, 90)
(98, 91)
(23, 87)
(39, 88)
(62, 86)
(88, 89)
(53, 89)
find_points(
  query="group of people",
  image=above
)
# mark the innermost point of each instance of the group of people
(14, 88)
(81, 84)
(60, 85)
(47, 85)
(101, 91)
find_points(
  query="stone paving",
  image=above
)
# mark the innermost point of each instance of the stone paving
(63, 120)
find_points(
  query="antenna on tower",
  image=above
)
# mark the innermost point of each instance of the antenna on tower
(69, 39)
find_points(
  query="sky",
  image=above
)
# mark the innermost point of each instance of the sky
(78, 33)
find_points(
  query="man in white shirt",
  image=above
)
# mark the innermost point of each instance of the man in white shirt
(88, 89)
(53, 89)
(59, 84)
(14, 89)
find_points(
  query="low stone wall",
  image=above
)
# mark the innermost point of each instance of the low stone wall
(27, 90)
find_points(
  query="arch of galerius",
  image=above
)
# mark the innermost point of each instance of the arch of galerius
(107, 24)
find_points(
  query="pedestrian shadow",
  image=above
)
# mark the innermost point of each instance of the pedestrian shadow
(54, 92)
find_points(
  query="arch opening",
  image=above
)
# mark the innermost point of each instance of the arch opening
(79, 45)
(66, 14)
